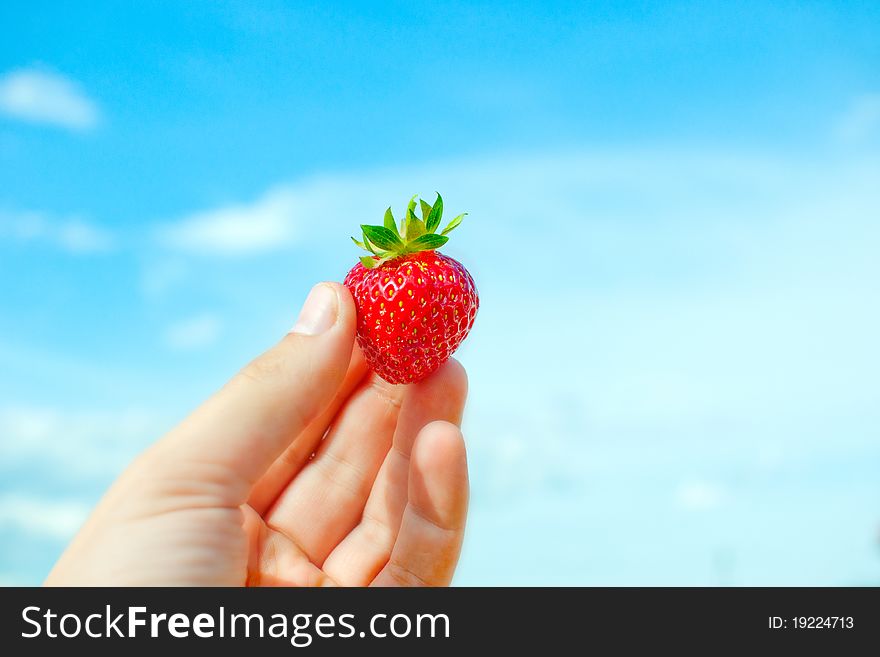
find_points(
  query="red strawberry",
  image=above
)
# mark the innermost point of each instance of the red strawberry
(414, 305)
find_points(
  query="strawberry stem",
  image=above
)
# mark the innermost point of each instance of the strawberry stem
(416, 234)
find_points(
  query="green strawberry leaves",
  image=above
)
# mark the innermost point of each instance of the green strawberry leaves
(390, 224)
(415, 234)
(427, 242)
(410, 208)
(426, 210)
(433, 219)
(415, 227)
(452, 225)
(384, 238)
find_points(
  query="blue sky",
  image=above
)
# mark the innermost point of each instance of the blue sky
(673, 225)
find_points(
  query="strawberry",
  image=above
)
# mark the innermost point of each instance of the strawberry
(414, 305)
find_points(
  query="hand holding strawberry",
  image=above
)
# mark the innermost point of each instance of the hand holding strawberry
(414, 306)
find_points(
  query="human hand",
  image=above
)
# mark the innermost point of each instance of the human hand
(305, 469)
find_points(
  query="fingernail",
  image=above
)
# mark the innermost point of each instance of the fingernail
(319, 311)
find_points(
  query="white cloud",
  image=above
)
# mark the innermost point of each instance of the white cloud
(41, 96)
(55, 519)
(193, 333)
(78, 236)
(74, 443)
(268, 224)
(698, 495)
(861, 120)
(70, 234)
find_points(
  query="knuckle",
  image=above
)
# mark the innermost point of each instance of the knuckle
(404, 576)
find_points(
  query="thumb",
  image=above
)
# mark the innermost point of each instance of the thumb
(242, 429)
